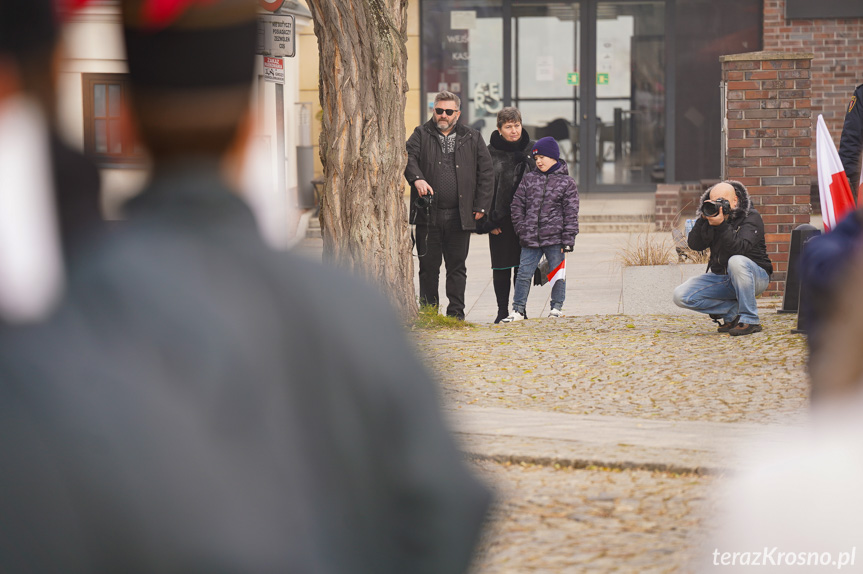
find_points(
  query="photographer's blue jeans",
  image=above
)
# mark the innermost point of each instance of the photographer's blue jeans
(727, 295)
(530, 257)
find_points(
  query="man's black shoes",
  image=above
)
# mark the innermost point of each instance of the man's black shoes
(744, 329)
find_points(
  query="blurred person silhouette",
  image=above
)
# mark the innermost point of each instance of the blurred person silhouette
(798, 503)
(45, 182)
(851, 141)
(275, 353)
(106, 466)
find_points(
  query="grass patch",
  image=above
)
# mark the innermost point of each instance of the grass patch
(430, 319)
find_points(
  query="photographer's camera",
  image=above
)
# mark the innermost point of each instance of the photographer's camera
(711, 207)
(424, 201)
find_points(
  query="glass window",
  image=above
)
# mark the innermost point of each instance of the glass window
(104, 139)
(463, 53)
(545, 74)
(735, 28)
(630, 92)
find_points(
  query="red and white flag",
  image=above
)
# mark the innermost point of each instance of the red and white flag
(557, 274)
(836, 198)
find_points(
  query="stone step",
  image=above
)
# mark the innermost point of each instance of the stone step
(586, 224)
(314, 229)
(616, 226)
(615, 218)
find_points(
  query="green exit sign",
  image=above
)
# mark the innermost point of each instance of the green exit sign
(572, 78)
(602, 79)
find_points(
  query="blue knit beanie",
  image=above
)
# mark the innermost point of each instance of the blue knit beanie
(548, 147)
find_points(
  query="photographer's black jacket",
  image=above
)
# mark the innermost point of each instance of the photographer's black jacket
(740, 234)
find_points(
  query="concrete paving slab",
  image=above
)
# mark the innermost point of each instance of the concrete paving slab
(608, 441)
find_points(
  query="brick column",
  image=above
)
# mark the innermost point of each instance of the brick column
(768, 137)
(667, 206)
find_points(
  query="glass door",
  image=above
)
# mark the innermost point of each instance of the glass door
(546, 78)
(629, 103)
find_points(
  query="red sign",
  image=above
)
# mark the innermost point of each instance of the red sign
(271, 5)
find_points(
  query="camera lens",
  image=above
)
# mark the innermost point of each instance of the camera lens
(709, 209)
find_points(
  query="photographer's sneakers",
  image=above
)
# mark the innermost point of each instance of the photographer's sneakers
(744, 329)
(514, 316)
(556, 313)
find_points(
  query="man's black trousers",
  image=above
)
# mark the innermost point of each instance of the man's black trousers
(445, 239)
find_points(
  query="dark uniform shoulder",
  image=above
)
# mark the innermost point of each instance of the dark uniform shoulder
(855, 99)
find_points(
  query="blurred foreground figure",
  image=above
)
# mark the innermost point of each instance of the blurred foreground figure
(800, 504)
(30, 262)
(49, 193)
(292, 382)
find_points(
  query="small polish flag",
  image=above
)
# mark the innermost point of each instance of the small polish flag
(558, 274)
(836, 198)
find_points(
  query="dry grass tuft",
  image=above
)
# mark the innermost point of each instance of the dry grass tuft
(647, 250)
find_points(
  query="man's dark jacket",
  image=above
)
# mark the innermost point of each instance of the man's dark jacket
(851, 142)
(474, 172)
(297, 375)
(740, 234)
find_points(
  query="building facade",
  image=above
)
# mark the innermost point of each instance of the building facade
(92, 86)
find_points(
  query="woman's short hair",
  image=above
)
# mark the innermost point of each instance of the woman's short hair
(508, 115)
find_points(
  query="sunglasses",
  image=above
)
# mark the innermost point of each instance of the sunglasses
(441, 111)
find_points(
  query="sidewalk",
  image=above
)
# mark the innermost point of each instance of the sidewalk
(579, 441)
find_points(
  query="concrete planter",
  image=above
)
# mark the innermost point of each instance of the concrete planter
(647, 290)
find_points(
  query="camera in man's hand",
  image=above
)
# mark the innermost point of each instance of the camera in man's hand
(713, 207)
(424, 201)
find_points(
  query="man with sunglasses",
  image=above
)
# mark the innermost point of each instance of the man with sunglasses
(452, 180)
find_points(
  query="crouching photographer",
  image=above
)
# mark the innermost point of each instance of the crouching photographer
(739, 268)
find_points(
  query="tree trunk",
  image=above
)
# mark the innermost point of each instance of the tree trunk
(363, 82)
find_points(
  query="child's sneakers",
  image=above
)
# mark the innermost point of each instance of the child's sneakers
(555, 313)
(514, 316)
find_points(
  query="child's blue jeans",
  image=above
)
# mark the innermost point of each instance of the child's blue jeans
(530, 257)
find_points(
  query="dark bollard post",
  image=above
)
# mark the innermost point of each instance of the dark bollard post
(799, 236)
(802, 311)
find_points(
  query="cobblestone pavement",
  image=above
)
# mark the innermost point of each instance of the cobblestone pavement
(593, 520)
(647, 366)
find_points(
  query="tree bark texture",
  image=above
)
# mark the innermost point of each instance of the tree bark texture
(363, 60)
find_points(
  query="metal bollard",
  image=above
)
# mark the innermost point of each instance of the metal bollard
(799, 236)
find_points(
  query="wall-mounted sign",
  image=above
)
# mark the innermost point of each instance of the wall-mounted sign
(823, 9)
(572, 78)
(276, 36)
(544, 68)
(602, 79)
(274, 70)
(462, 19)
(271, 5)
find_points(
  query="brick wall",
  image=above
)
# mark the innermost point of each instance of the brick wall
(677, 202)
(667, 206)
(837, 65)
(768, 142)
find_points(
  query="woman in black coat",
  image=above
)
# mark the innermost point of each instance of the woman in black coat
(510, 149)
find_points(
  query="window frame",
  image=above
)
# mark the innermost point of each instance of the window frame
(130, 154)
